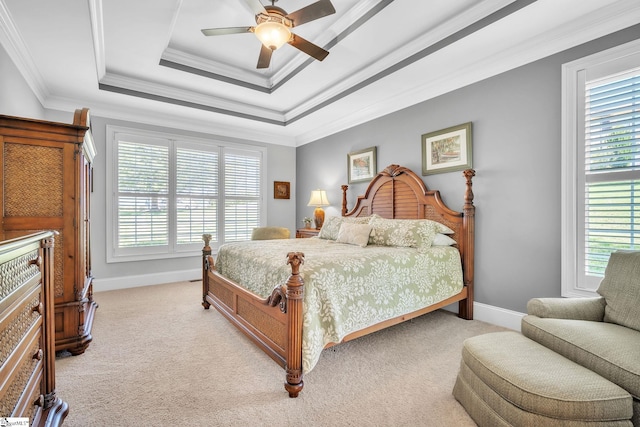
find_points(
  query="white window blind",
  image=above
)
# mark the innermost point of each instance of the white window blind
(612, 168)
(143, 191)
(197, 195)
(242, 171)
(165, 193)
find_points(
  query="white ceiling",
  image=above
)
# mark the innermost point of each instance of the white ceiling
(147, 60)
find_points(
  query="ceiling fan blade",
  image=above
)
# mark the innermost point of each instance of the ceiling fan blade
(228, 30)
(256, 6)
(312, 12)
(307, 47)
(265, 57)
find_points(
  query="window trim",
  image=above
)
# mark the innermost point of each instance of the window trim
(572, 203)
(171, 250)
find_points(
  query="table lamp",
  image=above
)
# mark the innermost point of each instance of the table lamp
(318, 199)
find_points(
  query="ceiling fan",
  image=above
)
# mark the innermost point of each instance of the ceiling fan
(273, 28)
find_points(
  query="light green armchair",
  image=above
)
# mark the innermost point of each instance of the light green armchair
(601, 333)
(269, 233)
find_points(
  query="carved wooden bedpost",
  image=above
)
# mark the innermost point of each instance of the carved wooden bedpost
(465, 307)
(294, 293)
(344, 199)
(206, 261)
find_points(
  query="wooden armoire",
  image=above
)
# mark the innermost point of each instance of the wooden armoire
(46, 185)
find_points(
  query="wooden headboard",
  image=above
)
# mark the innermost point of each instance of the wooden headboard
(397, 192)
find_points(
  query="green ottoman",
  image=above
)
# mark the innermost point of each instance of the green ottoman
(506, 379)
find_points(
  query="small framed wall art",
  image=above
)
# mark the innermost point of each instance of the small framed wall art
(362, 165)
(281, 190)
(447, 150)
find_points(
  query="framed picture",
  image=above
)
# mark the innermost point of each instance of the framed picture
(447, 150)
(281, 190)
(361, 165)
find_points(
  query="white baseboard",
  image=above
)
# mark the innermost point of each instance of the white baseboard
(497, 316)
(111, 284)
(494, 315)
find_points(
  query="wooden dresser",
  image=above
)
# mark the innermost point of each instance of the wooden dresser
(303, 233)
(46, 183)
(27, 336)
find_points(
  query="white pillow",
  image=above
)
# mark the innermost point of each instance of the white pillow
(443, 240)
(354, 234)
(444, 229)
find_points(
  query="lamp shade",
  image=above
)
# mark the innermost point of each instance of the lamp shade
(318, 198)
(272, 34)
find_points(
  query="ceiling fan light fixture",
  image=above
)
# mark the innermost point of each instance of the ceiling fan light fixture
(272, 34)
(274, 25)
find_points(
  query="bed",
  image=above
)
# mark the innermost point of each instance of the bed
(302, 295)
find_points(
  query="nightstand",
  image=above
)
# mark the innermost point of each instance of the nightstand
(303, 233)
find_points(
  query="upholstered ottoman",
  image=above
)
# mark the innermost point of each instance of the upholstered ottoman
(506, 379)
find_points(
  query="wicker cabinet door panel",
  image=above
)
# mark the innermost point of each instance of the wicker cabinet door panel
(33, 173)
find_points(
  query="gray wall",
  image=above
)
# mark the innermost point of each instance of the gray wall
(516, 153)
(280, 167)
(16, 97)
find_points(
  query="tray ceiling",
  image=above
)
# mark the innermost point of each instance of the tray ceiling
(147, 61)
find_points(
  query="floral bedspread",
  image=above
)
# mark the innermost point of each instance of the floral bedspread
(346, 287)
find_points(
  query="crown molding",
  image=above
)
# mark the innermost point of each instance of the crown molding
(17, 50)
(97, 33)
(177, 118)
(213, 69)
(612, 18)
(137, 87)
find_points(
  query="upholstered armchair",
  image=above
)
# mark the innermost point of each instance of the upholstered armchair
(601, 333)
(268, 233)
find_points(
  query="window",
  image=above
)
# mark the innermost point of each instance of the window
(601, 164)
(166, 191)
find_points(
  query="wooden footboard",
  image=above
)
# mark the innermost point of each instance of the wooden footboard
(274, 324)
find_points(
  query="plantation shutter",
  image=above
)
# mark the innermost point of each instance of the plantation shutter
(196, 194)
(611, 170)
(166, 191)
(142, 194)
(242, 189)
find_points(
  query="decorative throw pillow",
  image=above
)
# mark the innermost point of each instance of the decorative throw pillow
(621, 289)
(443, 240)
(354, 234)
(414, 233)
(331, 225)
(440, 228)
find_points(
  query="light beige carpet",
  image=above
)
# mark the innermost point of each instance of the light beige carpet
(159, 359)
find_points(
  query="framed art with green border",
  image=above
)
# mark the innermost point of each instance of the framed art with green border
(361, 165)
(447, 150)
